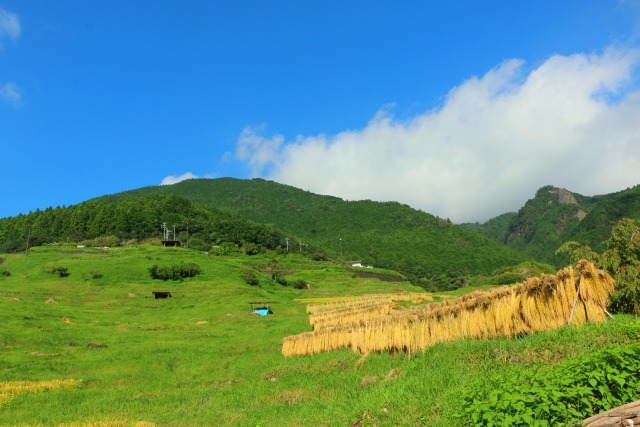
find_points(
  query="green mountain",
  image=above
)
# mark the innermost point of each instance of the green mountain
(555, 216)
(387, 235)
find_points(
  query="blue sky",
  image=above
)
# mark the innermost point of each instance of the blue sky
(461, 109)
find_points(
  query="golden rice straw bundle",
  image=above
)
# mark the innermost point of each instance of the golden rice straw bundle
(568, 292)
(535, 305)
(476, 323)
(345, 302)
(347, 315)
(594, 311)
(368, 299)
(501, 313)
(595, 285)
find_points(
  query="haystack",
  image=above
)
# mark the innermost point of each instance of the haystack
(541, 303)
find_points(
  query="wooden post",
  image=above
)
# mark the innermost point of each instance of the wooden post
(606, 312)
(28, 238)
(574, 304)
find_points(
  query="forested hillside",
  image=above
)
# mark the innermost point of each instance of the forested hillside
(388, 235)
(136, 218)
(555, 216)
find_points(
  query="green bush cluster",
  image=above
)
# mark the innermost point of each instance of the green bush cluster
(198, 244)
(295, 283)
(102, 241)
(507, 278)
(556, 396)
(249, 276)
(621, 259)
(175, 271)
(59, 270)
(5, 273)
(279, 279)
(626, 298)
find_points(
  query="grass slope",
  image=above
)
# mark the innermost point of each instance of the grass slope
(198, 358)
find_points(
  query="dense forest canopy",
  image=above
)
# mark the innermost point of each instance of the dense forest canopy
(135, 218)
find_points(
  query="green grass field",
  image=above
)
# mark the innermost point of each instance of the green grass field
(199, 358)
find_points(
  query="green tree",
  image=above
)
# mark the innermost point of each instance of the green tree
(623, 258)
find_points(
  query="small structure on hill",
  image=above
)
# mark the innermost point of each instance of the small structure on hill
(261, 308)
(161, 294)
(166, 234)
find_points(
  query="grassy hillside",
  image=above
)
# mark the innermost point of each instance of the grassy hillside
(387, 235)
(198, 358)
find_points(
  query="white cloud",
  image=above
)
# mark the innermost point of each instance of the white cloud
(11, 93)
(571, 122)
(257, 151)
(9, 25)
(168, 180)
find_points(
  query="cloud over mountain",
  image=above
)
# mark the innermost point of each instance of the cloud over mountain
(171, 179)
(570, 121)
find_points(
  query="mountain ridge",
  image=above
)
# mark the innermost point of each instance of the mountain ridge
(556, 215)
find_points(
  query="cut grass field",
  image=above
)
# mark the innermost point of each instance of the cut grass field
(95, 348)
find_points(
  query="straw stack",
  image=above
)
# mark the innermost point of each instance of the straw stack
(363, 300)
(540, 303)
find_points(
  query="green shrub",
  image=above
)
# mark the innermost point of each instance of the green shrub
(226, 248)
(5, 273)
(558, 395)
(59, 270)
(507, 278)
(249, 276)
(626, 297)
(299, 283)
(198, 244)
(174, 272)
(252, 249)
(102, 241)
(279, 279)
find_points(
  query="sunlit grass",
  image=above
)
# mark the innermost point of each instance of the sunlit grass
(140, 361)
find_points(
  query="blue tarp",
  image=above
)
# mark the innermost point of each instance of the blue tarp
(262, 311)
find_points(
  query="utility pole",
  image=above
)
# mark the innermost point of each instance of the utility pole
(28, 237)
(341, 258)
(286, 239)
(300, 243)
